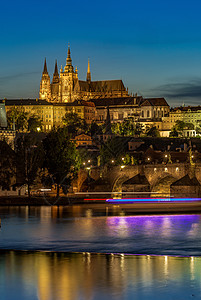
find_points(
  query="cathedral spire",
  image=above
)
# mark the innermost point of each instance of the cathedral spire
(69, 68)
(88, 72)
(69, 60)
(56, 73)
(45, 68)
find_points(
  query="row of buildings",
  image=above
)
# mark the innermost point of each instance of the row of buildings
(90, 100)
(147, 112)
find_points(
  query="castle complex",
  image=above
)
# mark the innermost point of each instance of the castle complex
(66, 87)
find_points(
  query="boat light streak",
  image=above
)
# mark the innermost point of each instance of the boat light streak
(130, 200)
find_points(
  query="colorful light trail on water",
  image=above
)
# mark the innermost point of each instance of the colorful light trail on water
(153, 200)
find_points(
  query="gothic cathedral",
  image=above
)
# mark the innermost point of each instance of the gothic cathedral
(66, 87)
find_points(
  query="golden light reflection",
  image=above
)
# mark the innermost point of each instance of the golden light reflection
(78, 276)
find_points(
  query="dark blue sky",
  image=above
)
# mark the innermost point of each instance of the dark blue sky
(154, 46)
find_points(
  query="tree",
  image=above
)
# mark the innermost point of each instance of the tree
(61, 158)
(127, 128)
(29, 159)
(34, 123)
(113, 150)
(7, 165)
(180, 125)
(178, 128)
(18, 116)
(153, 132)
(74, 123)
(95, 129)
(174, 132)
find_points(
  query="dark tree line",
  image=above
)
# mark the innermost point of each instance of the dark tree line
(56, 154)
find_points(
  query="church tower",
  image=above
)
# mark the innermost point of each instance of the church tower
(88, 73)
(55, 85)
(45, 90)
(68, 78)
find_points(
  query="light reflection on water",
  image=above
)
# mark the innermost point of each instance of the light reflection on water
(75, 229)
(46, 276)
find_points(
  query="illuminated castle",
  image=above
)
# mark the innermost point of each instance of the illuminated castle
(66, 87)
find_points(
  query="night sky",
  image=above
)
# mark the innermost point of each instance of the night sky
(153, 46)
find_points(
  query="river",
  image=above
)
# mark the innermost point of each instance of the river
(120, 257)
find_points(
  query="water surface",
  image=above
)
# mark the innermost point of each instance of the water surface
(76, 230)
(62, 276)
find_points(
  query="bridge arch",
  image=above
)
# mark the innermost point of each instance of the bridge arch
(117, 186)
(162, 185)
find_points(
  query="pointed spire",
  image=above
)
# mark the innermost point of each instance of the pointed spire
(55, 78)
(88, 72)
(69, 60)
(56, 73)
(108, 129)
(45, 68)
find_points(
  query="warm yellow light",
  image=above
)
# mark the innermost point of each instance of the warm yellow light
(84, 163)
(89, 161)
(122, 167)
(112, 161)
(165, 155)
(122, 158)
(38, 129)
(148, 158)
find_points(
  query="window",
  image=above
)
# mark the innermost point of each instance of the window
(121, 116)
(148, 114)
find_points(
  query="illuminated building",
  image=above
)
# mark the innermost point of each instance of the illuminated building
(187, 114)
(66, 87)
(5, 133)
(52, 114)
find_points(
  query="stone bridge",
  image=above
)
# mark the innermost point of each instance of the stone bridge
(157, 175)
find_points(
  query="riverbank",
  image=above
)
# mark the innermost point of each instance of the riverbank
(37, 201)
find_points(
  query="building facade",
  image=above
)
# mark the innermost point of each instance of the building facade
(51, 114)
(191, 115)
(66, 87)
